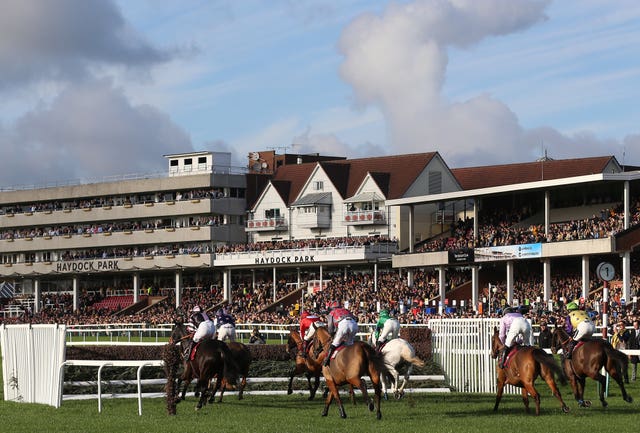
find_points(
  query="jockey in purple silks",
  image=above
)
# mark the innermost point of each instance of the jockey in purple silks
(512, 325)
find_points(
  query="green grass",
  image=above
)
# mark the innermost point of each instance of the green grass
(454, 412)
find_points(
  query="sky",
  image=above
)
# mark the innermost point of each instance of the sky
(93, 89)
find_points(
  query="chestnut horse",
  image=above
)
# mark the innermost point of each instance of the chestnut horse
(310, 365)
(586, 361)
(212, 358)
(348, 365)
(523, 368)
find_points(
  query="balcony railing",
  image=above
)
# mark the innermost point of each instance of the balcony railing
(267, 224)
(363, 217)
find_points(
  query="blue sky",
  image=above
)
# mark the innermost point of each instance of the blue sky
(95, 88)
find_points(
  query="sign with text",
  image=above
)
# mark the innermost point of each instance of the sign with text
(508, 252)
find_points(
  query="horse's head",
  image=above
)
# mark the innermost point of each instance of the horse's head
(558, 338)
(321, 336)
(178, 333)
(496, 344)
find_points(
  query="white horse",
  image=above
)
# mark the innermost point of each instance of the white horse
(399, 356)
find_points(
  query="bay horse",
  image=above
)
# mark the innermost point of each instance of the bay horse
(400, 356)
(587, 360)
(242, 357)
(522, 370)
(212, 357)
(310, 365)
(348, 366)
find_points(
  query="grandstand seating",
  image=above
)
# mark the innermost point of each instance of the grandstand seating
(114, 303)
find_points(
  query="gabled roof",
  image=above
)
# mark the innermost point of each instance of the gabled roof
(364, 197)
(393, 174)
(294, 176)
(283, 188)
(508, 174)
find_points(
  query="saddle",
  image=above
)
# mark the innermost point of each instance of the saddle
(337, 350)
(511, 353)
(192, 355)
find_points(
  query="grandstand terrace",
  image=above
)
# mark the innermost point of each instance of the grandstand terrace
(404, 232)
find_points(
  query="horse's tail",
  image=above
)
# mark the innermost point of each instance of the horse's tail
(376, 359)
(231, 371)
(409, 355)
(621, 360)
(549, 361)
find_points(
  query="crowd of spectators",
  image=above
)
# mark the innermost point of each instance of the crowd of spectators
(501, 228)
(339, 242)
(122, 200)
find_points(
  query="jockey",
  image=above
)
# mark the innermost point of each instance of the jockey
(387, 328)
(345, 325)
(204, 328)
(226, 325)
(578, 324)
(512, 325)
(307, 318)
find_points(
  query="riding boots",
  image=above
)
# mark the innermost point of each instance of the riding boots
(503, 355)
(570, 346)
(329, 353)
(305, 343)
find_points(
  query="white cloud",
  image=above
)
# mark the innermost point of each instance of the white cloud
(397, 61)
(89, 131)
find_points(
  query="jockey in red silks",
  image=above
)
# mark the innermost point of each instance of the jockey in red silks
(307, 319)
(345, 325)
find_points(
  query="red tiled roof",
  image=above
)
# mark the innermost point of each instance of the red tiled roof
(393, 174)
(508, 174)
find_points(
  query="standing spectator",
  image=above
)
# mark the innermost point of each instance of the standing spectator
(620, 336)
(634, 344)
(544, 337)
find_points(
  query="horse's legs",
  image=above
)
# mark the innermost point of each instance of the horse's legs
(202, 386)
(614, 372)
(313, 389)
(215, 387)
(500, 387)
(243, 383)
(362, 386)
(547, 375)
(529, 388)
(405, 380)
(333, 393)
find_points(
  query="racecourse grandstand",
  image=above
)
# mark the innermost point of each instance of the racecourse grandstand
(401, 232)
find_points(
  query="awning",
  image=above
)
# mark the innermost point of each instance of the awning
(313, 199)
(364, 197)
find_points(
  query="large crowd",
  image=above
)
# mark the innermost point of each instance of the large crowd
(357, 291)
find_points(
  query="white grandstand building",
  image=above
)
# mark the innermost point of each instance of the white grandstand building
(203, 222)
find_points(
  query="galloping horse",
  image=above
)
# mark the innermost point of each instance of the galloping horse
(310, 365)
(587, 360)
(523, 369)
(242, 358)
(399, 355)
(348, 365)
(212, 358)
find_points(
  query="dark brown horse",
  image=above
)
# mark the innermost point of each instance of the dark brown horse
(243, 358)
(523, 369)
(587, 360)
(347, 367)
(213, 358)
(310, 365)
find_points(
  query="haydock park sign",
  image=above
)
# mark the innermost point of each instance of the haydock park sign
(88, 266)
(275, 260)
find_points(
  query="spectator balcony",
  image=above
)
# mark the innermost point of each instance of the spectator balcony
(364, 217)
(267, 225)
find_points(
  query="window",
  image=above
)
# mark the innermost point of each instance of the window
(318, 185)
(202, 160)
(187, 164)
(272, 213)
